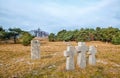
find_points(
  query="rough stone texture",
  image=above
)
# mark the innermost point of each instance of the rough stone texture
(69, 54)
(35, 49)
(92, 52)
(81, 58)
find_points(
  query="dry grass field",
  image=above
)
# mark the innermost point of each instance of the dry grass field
(15, 61)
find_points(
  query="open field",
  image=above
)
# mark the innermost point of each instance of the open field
(15, 62)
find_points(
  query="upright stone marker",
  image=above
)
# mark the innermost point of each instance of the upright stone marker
(92, 52)
(69, 54)
(35, 49)
(81, 58)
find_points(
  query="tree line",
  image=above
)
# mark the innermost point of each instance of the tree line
(109, 34)
(16, 35)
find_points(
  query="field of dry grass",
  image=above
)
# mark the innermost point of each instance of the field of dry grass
(15, 62)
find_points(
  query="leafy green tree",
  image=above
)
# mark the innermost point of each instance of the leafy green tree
(108, 33)
(75, 34)
(116, 39)
(14, 32)
(90, 34)
(84, 35)
(26, 38)
(81, 36)
(60, 35)
(68, 36)
(3, 34)
(98, 34)
(1, 29)
(52, 37)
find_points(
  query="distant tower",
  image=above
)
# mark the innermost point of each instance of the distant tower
(40, 33)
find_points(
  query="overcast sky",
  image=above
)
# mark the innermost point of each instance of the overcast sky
(55, 15)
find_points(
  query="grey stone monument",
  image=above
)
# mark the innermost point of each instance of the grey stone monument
(81, 58)
(69, 54)
(92, 52)
(35, 49)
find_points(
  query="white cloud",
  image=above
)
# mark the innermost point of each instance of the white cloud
(53, 15)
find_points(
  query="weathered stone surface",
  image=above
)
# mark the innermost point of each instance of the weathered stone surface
(81, 58)
(35, 49)
(69, 54)
(92, 52)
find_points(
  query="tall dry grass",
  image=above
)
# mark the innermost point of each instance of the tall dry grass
(15, 61)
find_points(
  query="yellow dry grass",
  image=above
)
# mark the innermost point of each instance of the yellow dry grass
(15, 61)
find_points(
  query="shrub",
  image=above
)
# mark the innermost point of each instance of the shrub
(26, 39)
(52, 37)
(116, 40)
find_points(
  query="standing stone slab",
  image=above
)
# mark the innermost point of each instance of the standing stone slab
(92, 52)
(69, 54)
(35, 49)
(81, 58)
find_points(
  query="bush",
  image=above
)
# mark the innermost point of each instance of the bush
(26, 39)
(116, 40)
(52, 37)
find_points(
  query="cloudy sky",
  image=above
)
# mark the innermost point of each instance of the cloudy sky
(55, 15)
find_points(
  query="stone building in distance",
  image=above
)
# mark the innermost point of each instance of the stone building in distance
(39, 33)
